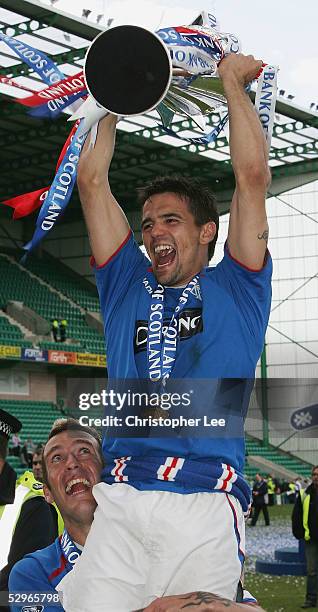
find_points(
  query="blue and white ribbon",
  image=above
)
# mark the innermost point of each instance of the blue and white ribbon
(205, 138)
(35, 59)
(162, 349)
(59, 194)
(53, 108)
(69, 549)
(265, 100)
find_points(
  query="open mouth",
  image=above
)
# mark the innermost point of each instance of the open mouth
(164, 255)
(77, 485)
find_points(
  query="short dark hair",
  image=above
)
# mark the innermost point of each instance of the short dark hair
(69, 424)
(315, 467)
(202, 203)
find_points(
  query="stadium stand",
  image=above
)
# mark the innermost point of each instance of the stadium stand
(277, 456)
(18, 284)
(67, 282)
(37, 419)
(11, 334)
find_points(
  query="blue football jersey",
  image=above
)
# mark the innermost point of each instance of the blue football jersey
(39, 573)
(221, 332)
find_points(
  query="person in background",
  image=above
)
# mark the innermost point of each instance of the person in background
(24, 455)
(271, 489)
(72, 462)
(30, 448)
(259, 500)
(291, 492)
(8, 476)
(55, 329)
(62, 326)
(284, 490)
(305, 527)
(27, 521)
(298, 485)
(37, 465)
(8, 425)
(15, 449)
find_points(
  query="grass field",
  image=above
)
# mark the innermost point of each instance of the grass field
(274, 593)
(277, 593)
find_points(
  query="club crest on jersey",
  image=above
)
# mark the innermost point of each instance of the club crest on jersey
(32, 609)
(196, 291)
(189, 323)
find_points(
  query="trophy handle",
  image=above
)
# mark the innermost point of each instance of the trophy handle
(128, 70)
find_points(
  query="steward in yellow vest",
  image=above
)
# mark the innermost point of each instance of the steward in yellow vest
(305, 526)
(29, 523)
(63, 326)
(55, 329)
(271, 488)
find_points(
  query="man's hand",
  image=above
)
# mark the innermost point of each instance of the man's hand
(201, 601)
(242, 68)
(95, 161)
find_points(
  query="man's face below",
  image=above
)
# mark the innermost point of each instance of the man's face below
(73, 467)
(172, 239)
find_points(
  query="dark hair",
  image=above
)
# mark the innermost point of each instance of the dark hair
(3, 447)
(315, 467)
(69, 424)
(201, 202)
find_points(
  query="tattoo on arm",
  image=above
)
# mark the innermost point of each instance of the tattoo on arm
(203, 597)
(200, 597)
(263, 236)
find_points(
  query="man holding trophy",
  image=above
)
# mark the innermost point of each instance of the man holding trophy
(170, 515)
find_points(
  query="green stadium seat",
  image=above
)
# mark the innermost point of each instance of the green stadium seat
(17, 285)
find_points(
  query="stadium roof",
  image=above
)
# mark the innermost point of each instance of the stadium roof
(29, 147)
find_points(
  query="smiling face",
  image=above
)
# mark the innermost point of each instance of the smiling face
(177, 247)
(73, 465)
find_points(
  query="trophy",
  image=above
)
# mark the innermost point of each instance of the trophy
(131, 71)
(128, 70)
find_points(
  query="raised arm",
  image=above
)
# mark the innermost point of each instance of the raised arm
(106, 223)
(248, 228)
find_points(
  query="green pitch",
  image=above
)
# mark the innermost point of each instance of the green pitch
(277, 593)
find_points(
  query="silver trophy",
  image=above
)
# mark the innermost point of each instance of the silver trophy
(130, 71)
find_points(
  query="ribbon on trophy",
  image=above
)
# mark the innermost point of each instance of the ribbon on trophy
(193, 89)
(7, 81)
(35, 59)
(27, 203)
(53, 200)
(265, 99)
(50, 102)
(60, 191)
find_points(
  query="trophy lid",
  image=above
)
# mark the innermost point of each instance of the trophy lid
(128, 70)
